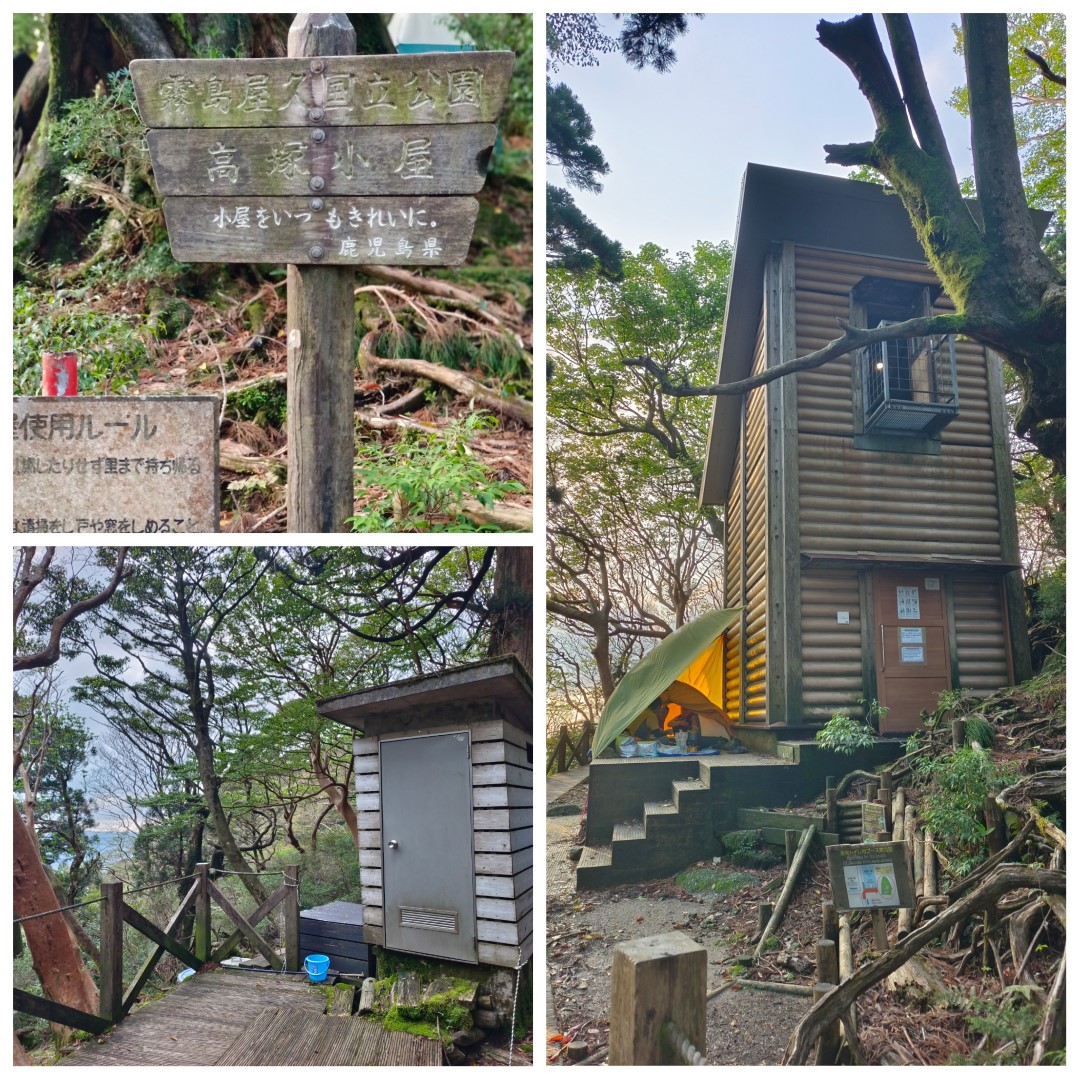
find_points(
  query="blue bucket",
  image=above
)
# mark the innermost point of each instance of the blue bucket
(316, 965)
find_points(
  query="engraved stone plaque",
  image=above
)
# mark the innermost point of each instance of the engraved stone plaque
(116, 465)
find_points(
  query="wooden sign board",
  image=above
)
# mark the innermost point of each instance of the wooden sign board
(254, 156)
(393, 231)
(116, 464)
(871, 876)
(324, 91)
(873, 820)
(436, 160)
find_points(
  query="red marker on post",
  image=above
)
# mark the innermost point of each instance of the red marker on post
(59, 374)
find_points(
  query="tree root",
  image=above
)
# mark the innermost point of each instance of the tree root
(836, 1003)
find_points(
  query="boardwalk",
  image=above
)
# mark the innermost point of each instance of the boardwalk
(250, 1018)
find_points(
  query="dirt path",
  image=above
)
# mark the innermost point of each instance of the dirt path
(744, 1026)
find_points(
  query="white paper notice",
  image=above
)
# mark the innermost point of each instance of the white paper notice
(907, 601)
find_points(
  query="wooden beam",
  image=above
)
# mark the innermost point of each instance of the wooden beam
(245, 927)
(292, 917)
(131, 995)
(56, 1013)
(159, 937)
(255, 918)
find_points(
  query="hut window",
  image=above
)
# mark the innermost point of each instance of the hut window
(908, 385)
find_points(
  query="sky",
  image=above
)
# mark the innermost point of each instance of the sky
(746, 88)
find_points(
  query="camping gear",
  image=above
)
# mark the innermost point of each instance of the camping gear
(316, 965)
(646, 748)
(686, 668)
(680, 741)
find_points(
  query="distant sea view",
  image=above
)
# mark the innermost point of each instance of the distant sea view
(110, 844)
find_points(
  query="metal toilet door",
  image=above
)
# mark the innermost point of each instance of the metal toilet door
(429, 890)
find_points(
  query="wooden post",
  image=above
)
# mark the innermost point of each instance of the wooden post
(885, 794)
(202, 913)
(828, 962)
(995, 824)
(654, 979)
(111, 966)
(959, 726)
(321, 361)
(829, 1041)
(832, 814)
(292, 918)
(789, 887)
(790, 843)
(881, 930)
(764, 914)
(830, 922)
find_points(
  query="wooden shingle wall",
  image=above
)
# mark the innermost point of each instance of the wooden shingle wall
(502, 838)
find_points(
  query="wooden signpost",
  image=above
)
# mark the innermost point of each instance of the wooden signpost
(871, 876)
(325, 161)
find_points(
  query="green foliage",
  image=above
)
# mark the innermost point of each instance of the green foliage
(744, 848)
(712, 880)
(1038, 112)
(263, 404)
(845, 734)
(956, 787)
(979, 730)
(102, 137)
(112, 347)
(417, 483)
(330, 871)
(505, 31)
(1009, 1023)
(28, 33)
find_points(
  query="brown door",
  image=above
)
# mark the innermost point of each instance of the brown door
(912, 647)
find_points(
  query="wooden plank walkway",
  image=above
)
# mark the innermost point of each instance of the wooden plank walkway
(560, 783)
(249, 1018)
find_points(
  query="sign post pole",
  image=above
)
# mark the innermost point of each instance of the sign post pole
(319, 339)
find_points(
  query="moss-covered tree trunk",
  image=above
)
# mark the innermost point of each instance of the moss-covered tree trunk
(1008, 294)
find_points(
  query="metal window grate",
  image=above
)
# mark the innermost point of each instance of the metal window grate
(909, 384)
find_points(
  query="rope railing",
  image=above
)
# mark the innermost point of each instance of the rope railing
(98, 899)
(682, 1046)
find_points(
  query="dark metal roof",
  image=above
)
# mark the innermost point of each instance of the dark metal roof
(502, 680)
(808, 209)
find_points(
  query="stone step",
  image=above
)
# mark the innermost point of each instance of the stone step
(689, 793)
(594, 868)
(628, 830)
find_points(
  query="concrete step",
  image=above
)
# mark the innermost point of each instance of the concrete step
(593, 868)
(690, 794)
(628, 830)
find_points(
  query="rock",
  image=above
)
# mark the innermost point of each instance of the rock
(487, 1019)
(455, 1056)
(575, 852)
(367, 996)
(470, 1037)
(500, 988)
(407, 989)
(171, 313)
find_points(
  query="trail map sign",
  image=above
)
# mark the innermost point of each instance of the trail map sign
(116, 464)
(331, 160)
(870, 876)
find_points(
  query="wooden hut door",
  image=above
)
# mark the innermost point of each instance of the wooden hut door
(429, 885)
(912, 647)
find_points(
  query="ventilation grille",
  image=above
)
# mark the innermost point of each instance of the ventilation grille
(445, 922)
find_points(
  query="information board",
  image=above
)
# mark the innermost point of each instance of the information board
(871, 875)
(115, 464)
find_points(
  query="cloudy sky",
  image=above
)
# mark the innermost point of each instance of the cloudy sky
(746, 88)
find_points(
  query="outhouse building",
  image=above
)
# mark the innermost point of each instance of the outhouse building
(871, 538)
(443, 769)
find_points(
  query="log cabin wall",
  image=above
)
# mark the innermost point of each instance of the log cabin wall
(982, 655)
(745, 559)
(832, 651)
(871, 503)
(502, 836)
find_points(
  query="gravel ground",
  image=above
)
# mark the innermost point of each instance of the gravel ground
(744, 1026)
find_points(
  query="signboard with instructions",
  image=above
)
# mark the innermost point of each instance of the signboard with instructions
(116, 464)
(871, 876)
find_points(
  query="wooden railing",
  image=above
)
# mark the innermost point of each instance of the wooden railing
(571, 747)
(114, 1002)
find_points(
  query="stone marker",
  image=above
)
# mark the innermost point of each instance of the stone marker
(116, 464)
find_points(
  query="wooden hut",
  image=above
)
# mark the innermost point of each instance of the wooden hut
(444, 806)
(871, 536)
